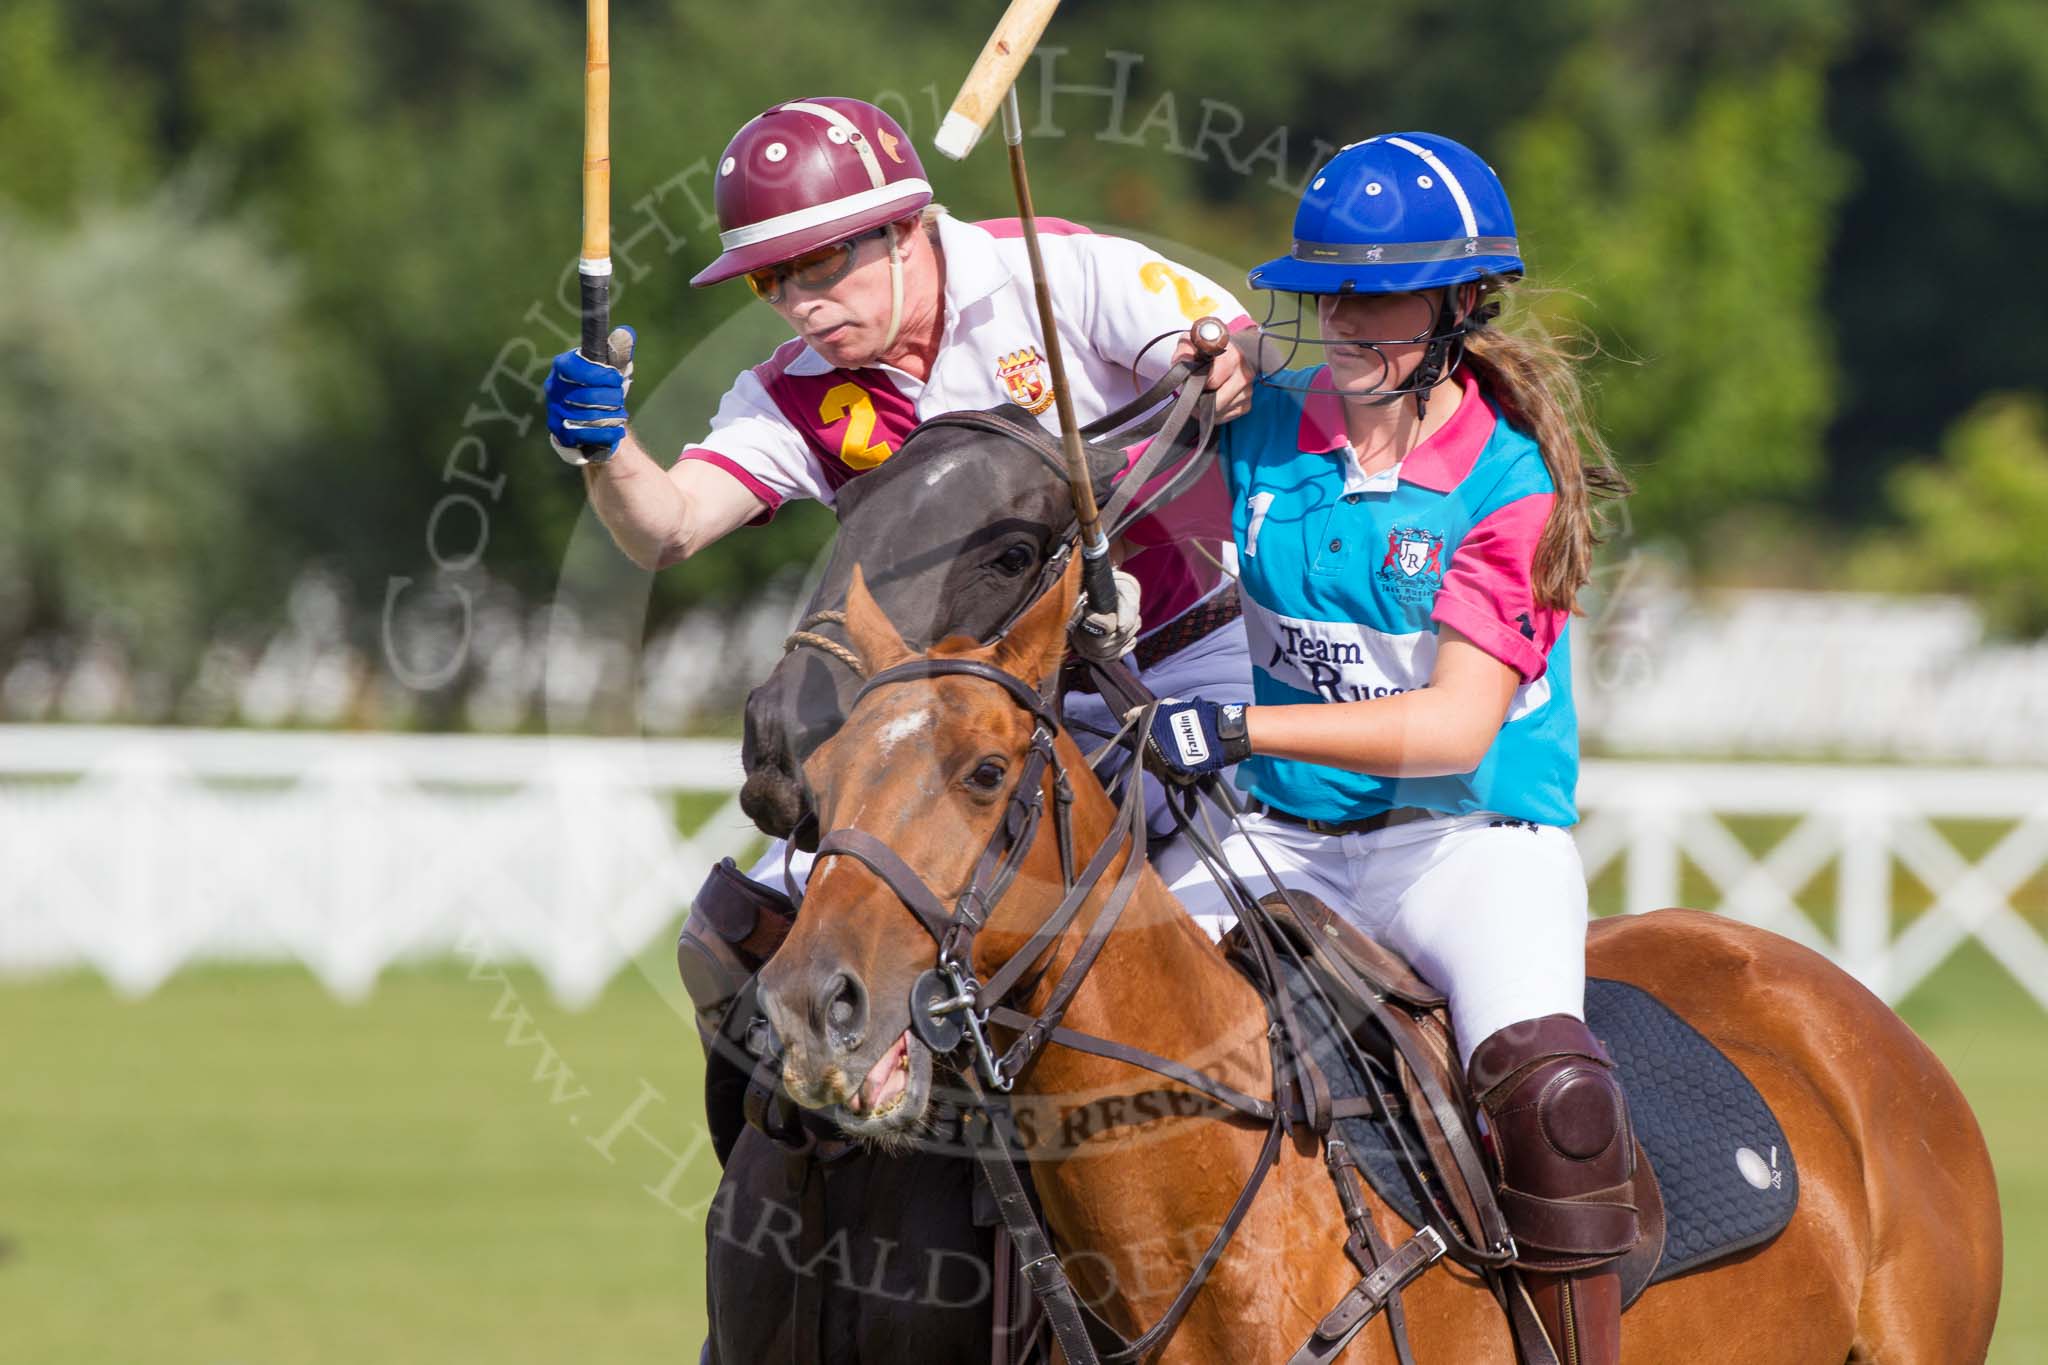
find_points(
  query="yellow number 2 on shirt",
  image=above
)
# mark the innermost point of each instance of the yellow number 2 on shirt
(1156, 275)
(851, 401)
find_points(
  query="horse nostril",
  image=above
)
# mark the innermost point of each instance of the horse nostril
(846, 1012)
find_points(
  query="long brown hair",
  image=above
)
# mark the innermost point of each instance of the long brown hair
(1532, 373)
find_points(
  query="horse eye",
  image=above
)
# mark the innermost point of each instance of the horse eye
(987, 777)
(1016, 559)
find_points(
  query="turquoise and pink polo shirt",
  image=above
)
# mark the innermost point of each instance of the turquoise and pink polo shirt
(1347, 579)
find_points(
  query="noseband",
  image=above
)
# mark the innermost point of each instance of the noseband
(948, 1004)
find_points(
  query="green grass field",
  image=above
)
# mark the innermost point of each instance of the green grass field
(239, 1171)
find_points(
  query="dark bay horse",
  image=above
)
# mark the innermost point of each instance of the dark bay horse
(954, 533)
(1893, 1254)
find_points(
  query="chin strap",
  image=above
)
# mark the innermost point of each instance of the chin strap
(895, 292)
(1442, 353)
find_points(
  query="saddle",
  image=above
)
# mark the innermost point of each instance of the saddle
(1403, 1023)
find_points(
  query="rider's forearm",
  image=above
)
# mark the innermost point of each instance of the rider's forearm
(641, 506)
(1424, 733)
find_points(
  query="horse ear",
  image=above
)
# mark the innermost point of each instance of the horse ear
(873, 636)
(1032, 649)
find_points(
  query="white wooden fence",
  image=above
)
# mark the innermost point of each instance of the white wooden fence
(136, 851)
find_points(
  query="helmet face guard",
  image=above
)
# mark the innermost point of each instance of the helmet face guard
(1442, 340)
(1398, 214)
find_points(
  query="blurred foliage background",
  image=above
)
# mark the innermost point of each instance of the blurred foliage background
(283, 275)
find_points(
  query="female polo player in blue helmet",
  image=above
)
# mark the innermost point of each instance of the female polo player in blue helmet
(1413, 521)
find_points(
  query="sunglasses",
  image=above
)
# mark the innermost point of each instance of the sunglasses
(814, 270)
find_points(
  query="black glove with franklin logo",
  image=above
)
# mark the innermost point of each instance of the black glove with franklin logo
(1191, 738)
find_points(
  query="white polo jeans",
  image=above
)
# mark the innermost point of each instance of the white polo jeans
(1490, 912)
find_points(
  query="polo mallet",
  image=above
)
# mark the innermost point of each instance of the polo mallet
(993, 81)
(594, 262)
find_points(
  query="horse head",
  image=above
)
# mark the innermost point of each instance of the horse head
(926, 767)
(954, 534)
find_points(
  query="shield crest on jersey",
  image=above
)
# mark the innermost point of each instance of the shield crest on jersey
(1024, 378)
(1414, 555)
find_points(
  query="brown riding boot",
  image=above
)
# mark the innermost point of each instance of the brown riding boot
(1567, 1156)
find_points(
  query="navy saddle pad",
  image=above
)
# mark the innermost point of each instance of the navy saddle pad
(1722, 1164)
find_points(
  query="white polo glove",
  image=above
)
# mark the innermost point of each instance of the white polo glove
(1115, 633)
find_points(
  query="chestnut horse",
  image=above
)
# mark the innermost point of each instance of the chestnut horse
(1892, 1256)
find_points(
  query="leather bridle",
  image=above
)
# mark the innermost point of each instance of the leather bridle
(948, 1003)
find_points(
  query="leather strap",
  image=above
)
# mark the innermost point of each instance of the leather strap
(1000, 1273)
(887, 864)
(1368, 824)
(1041, 1268)
(1532, 1344)
(1372, 1293)
(1163, 447)
(1382, 1270)
(1588, 1230)
(1010, 973)
(1175, 1311)
(1223, 1094)
(1023, 693)
(1494, 1245)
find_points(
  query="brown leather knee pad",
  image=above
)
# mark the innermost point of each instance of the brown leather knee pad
(1561, 1129)
(734, 926)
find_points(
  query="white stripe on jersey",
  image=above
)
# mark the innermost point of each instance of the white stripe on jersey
(1344, 661)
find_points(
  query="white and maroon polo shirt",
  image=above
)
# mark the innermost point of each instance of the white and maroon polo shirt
(795, 426)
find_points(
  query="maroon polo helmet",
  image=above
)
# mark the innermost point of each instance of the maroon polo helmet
(807, 174)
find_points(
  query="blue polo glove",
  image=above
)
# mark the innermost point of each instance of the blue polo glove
(587, 401)
(1191, 738)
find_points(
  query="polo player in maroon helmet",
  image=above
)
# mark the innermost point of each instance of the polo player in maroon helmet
(803, 180)
(901, 312)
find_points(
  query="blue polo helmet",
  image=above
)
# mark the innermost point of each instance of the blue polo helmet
(1397, 212)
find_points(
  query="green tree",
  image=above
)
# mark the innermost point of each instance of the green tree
(154, 371)
(1976, 520)
(67, 130)
(1694, 252)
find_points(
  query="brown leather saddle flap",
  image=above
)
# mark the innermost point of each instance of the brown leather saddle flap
(1380, 967)
(1420, 1011)
(1415, 1009)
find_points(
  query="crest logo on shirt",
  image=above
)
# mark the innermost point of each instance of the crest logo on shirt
(1024, 378)
(1414, 559)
